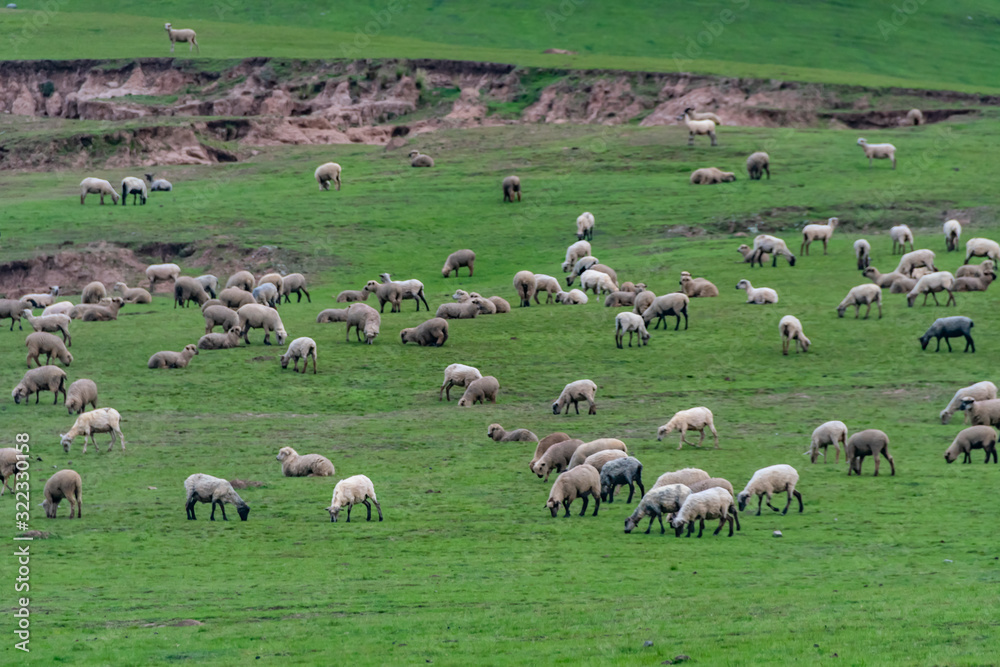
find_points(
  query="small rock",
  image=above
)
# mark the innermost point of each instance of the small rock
(776, 533)
(948, 560)
(815, 645)
(647, 643)
(11, 5)
(681, 658)
(151, 488)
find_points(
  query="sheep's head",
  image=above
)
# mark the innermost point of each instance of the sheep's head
(923, 346)
(841, 309)
(664, 430)
(18, 393)
(405, 335)
(385, 278)
(65, 441)
(553, 507)
(945, 415)
(645, 337)
(494, 428)
(911, 298)
(728, 177)
(743, 284)
(191, 349)
(460, 295)
(833, 222)
(541, 468)
(284, 453)
(742, 498)
(370, 286)
(414, 154)
(282, 335)
(243, 511)
(284, 362)
(862, 141)
(966, 403)
(950, 456)
(630, 524)
(555, 407)
(166, 26)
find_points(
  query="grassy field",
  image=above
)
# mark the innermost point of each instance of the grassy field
(468, 566)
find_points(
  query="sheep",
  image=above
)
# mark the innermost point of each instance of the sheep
(556, 458)
(913, 117)
(585, 227)
(485, 306)
(418, 159)
(863, 443)
(256, 316)
(980, 391)
(598, 281)
(861, 295)
(697, 126)
(911, 262)
(458, 259)
(621, 470)
(133, 294)
(189, 36)
(352, 491)
(949, 327)
(604, 457)
(790, 329)
(941, 281)
(643, 300)
(659, 501)
(169, 359)
(712, 483)
(816, 232)
(863, 253)
(457, 311)
(37, 380)
(40, 300)
(620, 298)
(352, 296)
(161, 273)
(40, 343)
(8, 467)
(220, 316)
(511, 187)
(826, 434)
(582, 482)
(159, 184)
(479, 391)
(457, 375)
(633, 324)
(576, 252)
(969, 284)
(294, 282)
(391, 293)
(979, 247)
(300, 348)
(764, 244)
(12, 308)
(220, 341)
(601, 444)
(574, 392)
(432, 332)
(501, 304)
(266, 294)
(774, 479)
(686, 476)
(757, 295)
(294, 464)
(675, 304)
(975, 437)
(98, 313)
(952, 233)
(546, 443)
(243, 280)
(50, 323)
(750, 255)
(883, 280)
(698, 287)
(188, 289)
(548, 284)
(201, 488)
(332, 315)
(696, 419)
(80, 393)
(411, 289)
(99, 420)
(97, 186)
(93, 293)
(878, 152)
(901, 235)
(981, 413)
(581, 265)
(574, 297)
(135, 187)
(714, 503)
(758, 163)
(325, 174)
(524, 285)
(363, 318)
(64, 484)
(497, 433)
(235, 298)
(63, 308)
(711, 176)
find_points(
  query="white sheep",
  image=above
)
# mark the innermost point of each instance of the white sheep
(686, 476)
(574, 297)
(757, 295)
(675, 303)
(878, 152)
(37, 380)
(914, 261)
(8, 467)
(901, 235)
(548, 284)
(327, 173)
(133, 294)
(256, 316)
(50, 323)
(861, 295)
(765, 244)
(583, 482)
(695, 419)
(101, 420)
(826, 434)
(863, 253)
(790, 329)
(64, 484)
(294, 464)
(352, 491)
(585, 228)
(633, 324)
(79, 394)
(159, 184)
(952, 233)
(135, 187)
(980, 391)
(975, 437)
(981, 413)
(39, 343)
(201, 488)
(757, 164)
(524, 285)
(511, 187)
(580, 266)
(457, 375)
(940, 281)
(161, 273)
(97, 186)
(64, 307)
(864, 443)
(816, 232)
(498, 433)
(294, 282)
(418, 159)
(266, 294)
(456, 260)
(484, 389)
(767, 481)
(40, 300)
(243, 280)
(546, 443)
(581, 453)
(574, 392)
(171, 359)
(713, 503)
(410, 289)
(183, 35)
(300, 348)
(697, 126)
(363, 318)
(698, 287)
(599, 282)
(711, 176)
(658, 501)
(575, 253)
(980, 247)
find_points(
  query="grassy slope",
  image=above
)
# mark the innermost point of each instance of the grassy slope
(763, 39)
(479, 570)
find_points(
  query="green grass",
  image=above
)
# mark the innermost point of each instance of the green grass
(885, 570)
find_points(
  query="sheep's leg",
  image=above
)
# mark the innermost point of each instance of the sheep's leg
(760, 501)
(586, 500)
(690, 528)
(877, 461)
(969, 343)
(566, 506)
(349, 506)
(368, 506)
(712, 134)
(650, 526)
(690, 138)
(788, 504)
(824, 252)
(576, 404)
(951, 298)
(722, 522)
(662, 529)
(631, 491)
(701, 527)
(892, 464)
(869, 311)
(593, 407)
(597, 504)
(211, 517)
(947, 342)
(618, 340)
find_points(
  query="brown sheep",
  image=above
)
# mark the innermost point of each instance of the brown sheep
(433, 333)
(458, 259)
(40, 343)
(511, 187)
(479, 391)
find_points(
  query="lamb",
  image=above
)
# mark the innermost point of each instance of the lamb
(187, 289)
(418, 159)
(457, 260)
(412, 289)
(8, 468)
(133, 294)
(643, 300)
(479, 391)
(757, 295)
(524, 285)
(161, 273)
(949, 327)
(511, 187)
(861, 295)
(941, 281)
(457, 375)
(598, 281)
(220, 341)
(791, 330)
(168, 359)
(585, 227)
(604, 457)
(135, 187)
(863, 253)
(758, 163)
(266, 294)
(332, 315)
(633, 324)
(256, 316)
(914, 260)
(51, 324)
(901, 235)
(659, 501)
(294, 464)
(100, 420)
(698, 287)
(601, 444)
(774, 479)
(547, 284)
(432, 332)
(325, 174)
(621, 470)
(980, 391)
(574, 392)
(675, 304)
(159, 184)
(981, 413)
(243, 280)
(546, 443)
(696, 419)
(80, 393)
(363, 318)
(975, 437)
(913, 117)
(300, 348)
(391, 293)
(352, 491)
(40, 300)
(711, 176)
(189, 36)
(765, 244)
(864, 443)
(697, 126)
(294, 282)
(64, 484)
(581, 265)
(556, 457)
(826, 434)
(714, 503)
(97, 186)
(40, 343)
(221, 316)
(883, 280)
(750, 255)
(235, 298)
(878, 152)
(352, 295)
(979, 247)
(12, 308)
(575, 253)
(817, 232)
(582, 482)
(37, 380)
(686, 476)
(620, 298)
(574, 297)
(497, 433)
(952, 233)
(201, 488)
(457, 311)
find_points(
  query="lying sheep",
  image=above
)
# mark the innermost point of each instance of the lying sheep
(64, 308)
(93, 292)
(457, 375)
(256, 316)
(79, 394)
(979, 247)
(51, 324)
(332, 315)
(586, 449)
(864, 443)
(352, 491)
(913, 117)
(64, 484)
(675, 304)
(136, 187)
(37, 380)
(159, 184)
(501, 304)
(604, 457)
(774, 479)
(457, 260)
(633, 324)
(169, 359)
(243, 280)
(511, 187)
(574, 392)
(714, 503)
(859, 296)
(686, 476)
(980, 391)
(235, 298)
(698, 287)
(40, 343)
(758, 163)
(878, 152)
(295, 282)
(391, 293)
(695, 419)
(301, 348)
(949, 327)
(621, 470)
(352, 295)
(952, 233)
(363, 318)
(576, 252)
(202, 488)
(457, 311)
(479, 391)
(556, 457)
(764, 244)
(981, 413)
(581, 482)
(659, 501)
(294, 464)
(220, 316)
(816, 232)
(418, 159)
(326, 173)
(863, 253)
(975, 437)
(790, 329)
(106, 311)
(574, 297)
(930, 285)
(432, 333)
(524, 285)
(101, 420)
(757, 295)
(585, 227)
(133, 294)
(969, 284)
(826, 434)
(901, 235)
(97, 186)
(266, 294)
(711, 176)
(619, 299)
(883, 280)
(497, 433)
(220, 341)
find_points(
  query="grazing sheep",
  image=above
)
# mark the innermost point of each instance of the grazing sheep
(574, 392)
(201, 488)
(135, 187)
(817, 232)
(660, 500)
(497, 433)
(913, 117)
(548, 284)
(432, 333)
(901, 235)
(243, 280)
(863, 253)
(585, 227)
(325, 174)
(697, 127)
(8, 467)
(980, 391)
(79, 394)
(169, 359)
(696, 419)
(952, 233)
(911, 262)
(556, 458)
(601, 444)
(97, 186)
(294, 464)
(773, 479)
(350, 492)
(979, 247)
(479, 391)
(524, 285)
(750, 255)
(457, 375)
(187, 289)
(266, 294)
(352, 295)
(791, 330)
(161, 273)
(220, 316)
(861, 295)
(574, 297)
(418, 159)
(621, 470)
(457, 260)
(210, 303)
(511, 187)
(235, 298)
(220, 341)
(757, 295)
(133, 294)
(51, 324)
(581, 265)
(604, 457)
(189, 36)
(864, 443)
(826, 434)
(272, 278)
(598, 281)
(981, 413)
(929, 285)
(974, 437)
(711, 176)
(686, 476)
(457, 311)
(93, 292)
(620, 298)
(159, 184)
(363, 318)
(713, 483)
(391, 293)
(878, 152)
(643, 300)
(256, 316)
(294, 282)
(675, 304)
(698, 287)
(576, 252)
(12, 308)
(332, 315)
(758, 163)
(301, 348)
(37, 380)
(714, 503)
(100, 420)
(64, 484)
(581, 482)
(633, 324)
(765, 244)
(40, 343)
(949, 327)
(546, 443)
